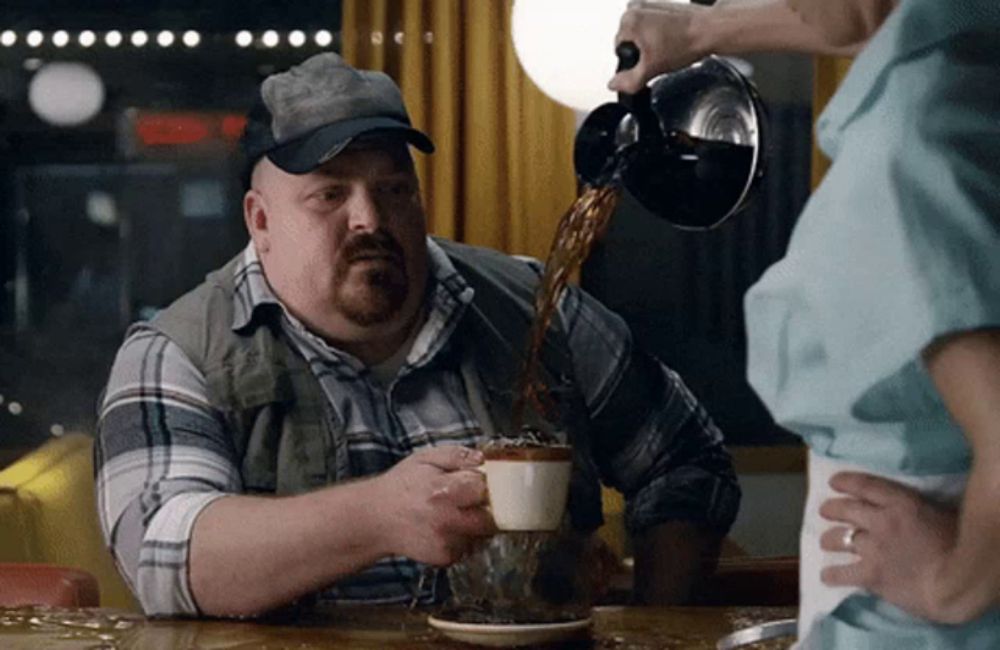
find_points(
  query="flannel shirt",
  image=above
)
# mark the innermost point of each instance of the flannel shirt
(163, 454)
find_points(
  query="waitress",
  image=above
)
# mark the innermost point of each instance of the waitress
(877, 337)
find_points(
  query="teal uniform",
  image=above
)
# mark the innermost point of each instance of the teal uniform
(898, 246)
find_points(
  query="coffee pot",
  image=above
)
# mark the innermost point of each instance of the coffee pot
(689, 147)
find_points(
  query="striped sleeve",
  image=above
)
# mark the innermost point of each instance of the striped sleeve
(651, 437)
(161, 456)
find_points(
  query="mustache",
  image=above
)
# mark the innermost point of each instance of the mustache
(376, 244)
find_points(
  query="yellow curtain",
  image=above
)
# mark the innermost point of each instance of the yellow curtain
(828, 72)
(502, 175)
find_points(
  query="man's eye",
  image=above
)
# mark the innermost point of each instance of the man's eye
(330, 195)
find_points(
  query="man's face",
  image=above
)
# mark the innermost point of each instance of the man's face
(344, 246)
(843, 22)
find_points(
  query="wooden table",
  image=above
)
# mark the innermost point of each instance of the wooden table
(374, 628)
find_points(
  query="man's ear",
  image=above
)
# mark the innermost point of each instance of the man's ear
(255, 216)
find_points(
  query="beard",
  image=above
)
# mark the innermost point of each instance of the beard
(370, 292)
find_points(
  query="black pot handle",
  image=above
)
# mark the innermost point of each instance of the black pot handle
(628, 54)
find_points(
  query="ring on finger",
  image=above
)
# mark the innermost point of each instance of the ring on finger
(848, 539)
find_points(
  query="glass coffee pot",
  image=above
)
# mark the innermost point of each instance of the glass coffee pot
(689, 147)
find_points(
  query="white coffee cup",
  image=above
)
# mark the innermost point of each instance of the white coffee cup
(527, 485)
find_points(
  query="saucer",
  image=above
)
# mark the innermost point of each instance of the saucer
(509, 635)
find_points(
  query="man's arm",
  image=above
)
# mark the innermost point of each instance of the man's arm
(252, 554)
(188, 543)
(653, 441)
(683, 507)
(671, 36)
(671, 560)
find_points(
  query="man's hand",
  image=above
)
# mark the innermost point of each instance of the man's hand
(663, 36)
(671, 559)
(902, 541)
(434, 505)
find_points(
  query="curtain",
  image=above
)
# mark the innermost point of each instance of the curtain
(502, 175)
(828, 72)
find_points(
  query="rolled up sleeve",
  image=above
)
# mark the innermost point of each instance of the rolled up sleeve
(161, 457)
(651, 438)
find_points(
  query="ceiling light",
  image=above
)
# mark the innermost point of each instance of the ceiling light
(244, 38)
(191, 38)
(113, 38)
(270, 38)
(8, 38)
(60, 38)
(66, 93)
(165, 38)
(564, 63)
(139, 38)
(86, 38)
(297, 38)
(34, 38)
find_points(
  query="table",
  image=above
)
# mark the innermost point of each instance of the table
(367, 628)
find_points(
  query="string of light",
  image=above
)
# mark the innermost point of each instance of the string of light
(15, 408)
(184, 39)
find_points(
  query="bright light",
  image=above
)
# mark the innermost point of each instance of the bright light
(15, 408)
(57, 430)
(8, 38)
(572, 64)
(87, 38)
(244, 38)
(66, 93)
(297, 38)
(139, 38)
(191, 38)
(34, 38)
(270, 38)
(60, 38)
(113, 38)
(165, 38)
(323, 38)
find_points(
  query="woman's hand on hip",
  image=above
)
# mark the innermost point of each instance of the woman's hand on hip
(902, 541)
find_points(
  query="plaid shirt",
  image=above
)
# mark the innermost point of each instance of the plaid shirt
(163, 454)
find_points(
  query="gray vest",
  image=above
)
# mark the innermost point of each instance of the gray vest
(287, 437)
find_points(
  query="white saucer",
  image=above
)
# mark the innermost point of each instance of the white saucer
(509, 635)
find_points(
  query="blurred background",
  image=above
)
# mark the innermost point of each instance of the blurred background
(119, 187)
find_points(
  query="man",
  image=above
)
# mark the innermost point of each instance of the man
(303, 422)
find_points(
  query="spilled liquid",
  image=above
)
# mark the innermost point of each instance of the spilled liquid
(359, 628)
(83, 628)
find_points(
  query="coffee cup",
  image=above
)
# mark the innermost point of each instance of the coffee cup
(527, 485)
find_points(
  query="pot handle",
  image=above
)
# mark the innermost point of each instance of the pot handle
(628, 54)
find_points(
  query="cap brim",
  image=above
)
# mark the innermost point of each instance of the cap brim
(308, 152)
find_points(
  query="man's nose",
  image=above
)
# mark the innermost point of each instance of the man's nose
(364, 215)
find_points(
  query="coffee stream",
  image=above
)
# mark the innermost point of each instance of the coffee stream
(580, 227)
(692, 182)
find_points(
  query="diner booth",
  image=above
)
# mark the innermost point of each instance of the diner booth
(120, 189)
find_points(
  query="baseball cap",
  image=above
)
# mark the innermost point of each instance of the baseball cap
(309, 113)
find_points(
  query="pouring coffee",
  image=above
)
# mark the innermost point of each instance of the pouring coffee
(688, 147)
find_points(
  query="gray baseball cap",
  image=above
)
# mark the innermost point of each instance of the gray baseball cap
(308, 114)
